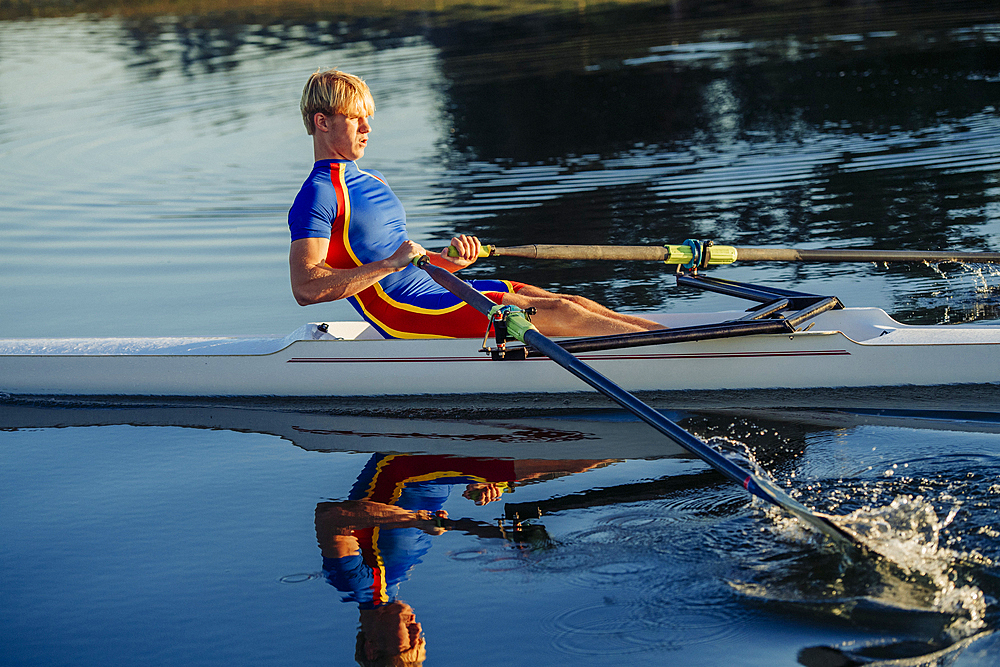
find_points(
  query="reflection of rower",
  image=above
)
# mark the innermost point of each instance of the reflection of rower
(371, 541)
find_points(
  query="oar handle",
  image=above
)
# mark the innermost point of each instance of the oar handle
(484, 251)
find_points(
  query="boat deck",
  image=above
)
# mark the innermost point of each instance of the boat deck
(865, 326)
(187, 345)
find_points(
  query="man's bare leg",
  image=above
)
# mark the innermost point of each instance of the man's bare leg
(568, 315)
(594, 307)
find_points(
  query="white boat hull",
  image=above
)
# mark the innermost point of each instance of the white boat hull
(844, 348)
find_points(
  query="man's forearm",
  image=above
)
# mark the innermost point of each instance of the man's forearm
(327, 284)
(356, 514)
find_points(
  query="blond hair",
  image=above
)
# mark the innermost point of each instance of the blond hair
(332, 91)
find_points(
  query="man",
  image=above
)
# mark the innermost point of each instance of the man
(349, 241)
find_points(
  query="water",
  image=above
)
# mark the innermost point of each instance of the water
(131, 542)
(146, 166)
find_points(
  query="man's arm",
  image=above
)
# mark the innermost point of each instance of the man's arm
(336, 521)
(314, 281)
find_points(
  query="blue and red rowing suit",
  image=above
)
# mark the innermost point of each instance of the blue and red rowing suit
(365, 222)
(414, 482)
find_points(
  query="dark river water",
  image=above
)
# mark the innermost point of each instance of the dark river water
(147, 163)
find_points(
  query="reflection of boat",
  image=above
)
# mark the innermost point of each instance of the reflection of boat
(571, 437)
(514, 433)
(792, 341)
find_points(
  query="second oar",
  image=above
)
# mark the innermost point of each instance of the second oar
(519, 327)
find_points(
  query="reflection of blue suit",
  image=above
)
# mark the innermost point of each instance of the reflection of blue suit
(414, 482)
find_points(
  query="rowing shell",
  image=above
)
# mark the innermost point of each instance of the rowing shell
(850, 347)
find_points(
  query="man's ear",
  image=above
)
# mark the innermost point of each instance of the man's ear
(321, 121)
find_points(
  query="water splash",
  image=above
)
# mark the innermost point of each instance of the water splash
(912, 575)
(970, 291)
(907, 533)
(738, 452)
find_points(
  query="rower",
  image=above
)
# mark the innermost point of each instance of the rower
(349, 241)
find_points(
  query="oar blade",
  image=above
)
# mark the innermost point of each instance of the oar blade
(822, 523)
(755, 483)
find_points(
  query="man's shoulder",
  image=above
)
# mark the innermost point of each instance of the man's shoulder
(319, 175)
(315, 189)
(315, 203)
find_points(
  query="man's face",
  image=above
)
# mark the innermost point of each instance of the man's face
(347, 136)
(396, 631)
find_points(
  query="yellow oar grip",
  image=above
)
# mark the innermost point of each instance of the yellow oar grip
(717, 254)
(484, 251)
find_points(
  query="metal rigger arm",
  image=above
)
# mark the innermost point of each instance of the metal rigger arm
(781, 311)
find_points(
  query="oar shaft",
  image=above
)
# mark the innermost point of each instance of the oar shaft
(553, 351)
(680, 254)
(612, 252)
(670, 254)
(655, 419)
(758, 486)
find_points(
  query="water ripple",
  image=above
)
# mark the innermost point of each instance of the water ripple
(624, 627)
(739, 171)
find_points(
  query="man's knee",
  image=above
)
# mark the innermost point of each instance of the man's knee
(530, 291)
(570, 309)
(573, 298)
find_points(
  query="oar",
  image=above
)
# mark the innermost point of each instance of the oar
(522, 329)
(694, 253)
